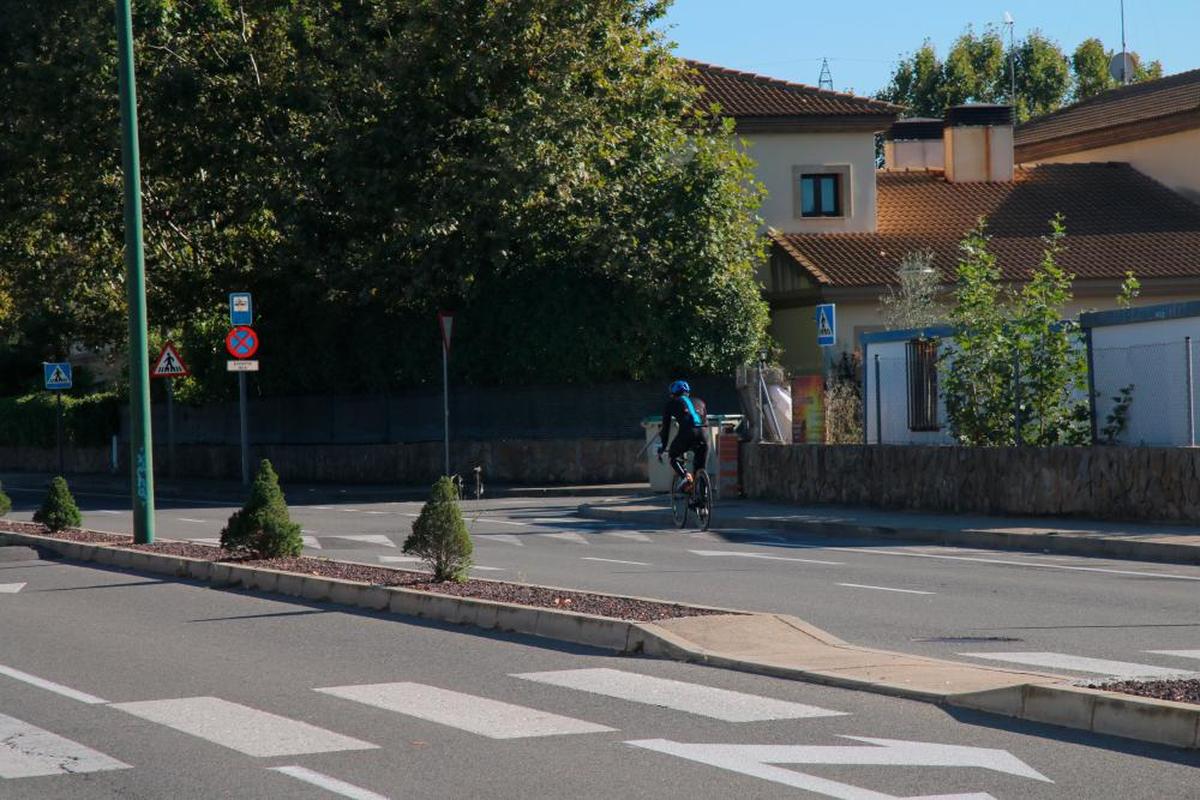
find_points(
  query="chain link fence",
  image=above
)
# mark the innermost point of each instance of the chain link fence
(1155, 385)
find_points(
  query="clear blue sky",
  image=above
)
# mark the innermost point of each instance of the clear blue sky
(863, 38)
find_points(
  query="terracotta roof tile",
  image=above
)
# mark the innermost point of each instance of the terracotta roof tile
(744, 94)
(1136, 103)
(1117, 219)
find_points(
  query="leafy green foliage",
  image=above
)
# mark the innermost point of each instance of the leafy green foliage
(978, 68)
(1131, 287)
(58, 511)
(1118, 418)
(5, 502)
(543, 167)
(262, 528)
(30, 421)
(439, 536)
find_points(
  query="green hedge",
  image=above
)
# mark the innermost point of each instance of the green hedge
(29, 421)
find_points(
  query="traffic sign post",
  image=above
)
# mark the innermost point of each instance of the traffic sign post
(446, 325)
(58, 378)
(170, 365)
(242, 344)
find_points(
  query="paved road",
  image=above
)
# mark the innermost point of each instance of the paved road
(120, 686)
(1087, 617)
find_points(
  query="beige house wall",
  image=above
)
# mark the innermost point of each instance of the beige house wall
(1173, 160)
(778, 154)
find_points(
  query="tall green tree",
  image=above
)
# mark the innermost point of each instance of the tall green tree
(1090, 65)
(543, 167)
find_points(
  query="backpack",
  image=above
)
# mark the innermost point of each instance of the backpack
(698, 411)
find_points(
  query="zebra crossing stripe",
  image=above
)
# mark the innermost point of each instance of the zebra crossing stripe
(365, 538)
(565, 536)
(705, 701)
(491, 718)
(27, 751)
(1098, 666)
(241, 728)
(328, 784)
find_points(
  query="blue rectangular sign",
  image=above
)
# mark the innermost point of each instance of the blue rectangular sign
(57, 375)
(826, 325)
(241, 309)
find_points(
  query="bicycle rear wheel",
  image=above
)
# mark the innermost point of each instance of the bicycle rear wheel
(679, 504)
(704, 500)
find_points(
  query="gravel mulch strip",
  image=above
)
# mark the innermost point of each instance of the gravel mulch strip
(499, 591)
(1184, 690)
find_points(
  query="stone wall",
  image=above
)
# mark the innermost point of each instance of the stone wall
(1133, 483)
(522, 461)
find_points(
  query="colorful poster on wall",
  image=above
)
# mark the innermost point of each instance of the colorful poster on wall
(808, 409)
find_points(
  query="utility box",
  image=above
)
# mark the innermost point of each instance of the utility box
(722, 439)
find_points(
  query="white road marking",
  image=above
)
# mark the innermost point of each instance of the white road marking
(50, 686)
(321, 508)
(400, 559)
(1098, 666)
(215, 541)
(764, 556)
(194, 521)
(375, 513)
(241, 728)
(27, 751)
(634, 535)
(490, 718)
(506, 538)
(759, 760)
(311, 541)
(565, 536)
(1178, 653)
(615, 561)
(883, 588)
(487, 569)
(332, 785)
(366, 538)
(108, 511)
(11, 588)
(495, 521)
(690, 698)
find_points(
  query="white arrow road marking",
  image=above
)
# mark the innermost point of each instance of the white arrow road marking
(27, 751)
(615, 561)
(735, 554)
(11, 588)
(50, 686)
(757, 761)
(366, 538)
(329, 784)
(566, 536)
(1098, 666)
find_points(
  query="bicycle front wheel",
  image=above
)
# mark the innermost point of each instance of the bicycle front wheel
(704, 500)
(679, 505)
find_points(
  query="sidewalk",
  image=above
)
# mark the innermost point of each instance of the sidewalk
(1173, 544)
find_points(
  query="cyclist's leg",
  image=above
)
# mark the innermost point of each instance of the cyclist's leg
(700, 449)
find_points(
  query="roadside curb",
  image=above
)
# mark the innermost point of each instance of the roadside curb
(1057, 703)
(1072, 545)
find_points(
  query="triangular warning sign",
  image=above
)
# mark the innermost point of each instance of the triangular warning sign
(823, 326)
(58, 376)
(169, 364)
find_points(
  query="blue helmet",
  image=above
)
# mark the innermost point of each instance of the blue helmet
(680, 387)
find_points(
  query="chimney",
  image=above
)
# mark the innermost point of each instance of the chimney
(914, 143)
(979, 143)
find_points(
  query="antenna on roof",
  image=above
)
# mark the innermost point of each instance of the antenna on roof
(826, 79)
(1122, 65)
(1012, 60)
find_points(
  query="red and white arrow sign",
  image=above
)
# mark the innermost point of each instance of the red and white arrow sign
(759, 761)
(446, 323)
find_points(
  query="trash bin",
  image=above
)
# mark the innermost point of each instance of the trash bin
(717, 427)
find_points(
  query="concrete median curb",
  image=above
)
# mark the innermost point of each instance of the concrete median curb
(791, 648)
(1068, 544)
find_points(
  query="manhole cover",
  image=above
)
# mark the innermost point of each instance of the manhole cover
(967, 639)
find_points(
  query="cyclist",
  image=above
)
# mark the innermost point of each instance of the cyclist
(689, 414)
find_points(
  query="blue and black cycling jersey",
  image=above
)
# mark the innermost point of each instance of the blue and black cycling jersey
(688, 414)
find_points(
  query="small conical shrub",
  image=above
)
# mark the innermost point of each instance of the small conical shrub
(262, 527)
(5, 502)
(439, 536)
(58, 510)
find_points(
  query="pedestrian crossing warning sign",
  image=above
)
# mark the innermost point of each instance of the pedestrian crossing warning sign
(169, 364)
(57, 374)
(826, 325)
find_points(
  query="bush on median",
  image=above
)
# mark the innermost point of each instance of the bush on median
(439, 536)
(58, 511)
(5, 502)
(262, 528)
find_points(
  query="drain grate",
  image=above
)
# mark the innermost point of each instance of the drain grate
(967, 639)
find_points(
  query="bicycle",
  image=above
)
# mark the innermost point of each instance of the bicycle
(698, 500)
(460, 484)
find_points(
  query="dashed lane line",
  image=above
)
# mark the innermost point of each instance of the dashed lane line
(763, 556)
(616, 561)
(332, 785)
(51, 686)
(883, 588)
(1098, 666)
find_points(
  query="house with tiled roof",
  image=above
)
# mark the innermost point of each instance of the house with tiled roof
(1154, 126)
(839, 227)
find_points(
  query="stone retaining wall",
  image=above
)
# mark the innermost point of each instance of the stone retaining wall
(524, 461)
(1133, 483)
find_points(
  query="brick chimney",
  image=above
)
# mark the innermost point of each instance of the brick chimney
(914, 143)
(979, 143)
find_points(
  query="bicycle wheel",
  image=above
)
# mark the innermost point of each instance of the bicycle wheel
(679, 504)
(704, 500)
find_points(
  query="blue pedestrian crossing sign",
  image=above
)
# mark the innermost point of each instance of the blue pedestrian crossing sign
(826, 325)
(57, 375)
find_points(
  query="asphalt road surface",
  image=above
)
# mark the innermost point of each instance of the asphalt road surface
(115, 685)
(1092, 618)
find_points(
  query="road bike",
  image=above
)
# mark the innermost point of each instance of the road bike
(460, 484)
(698, 499)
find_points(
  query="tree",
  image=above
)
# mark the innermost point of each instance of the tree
(58, 510)
(1043, 76)
(439, 536)
(913, 301)
(262, 528)
(360, 165)
(1090, 64)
